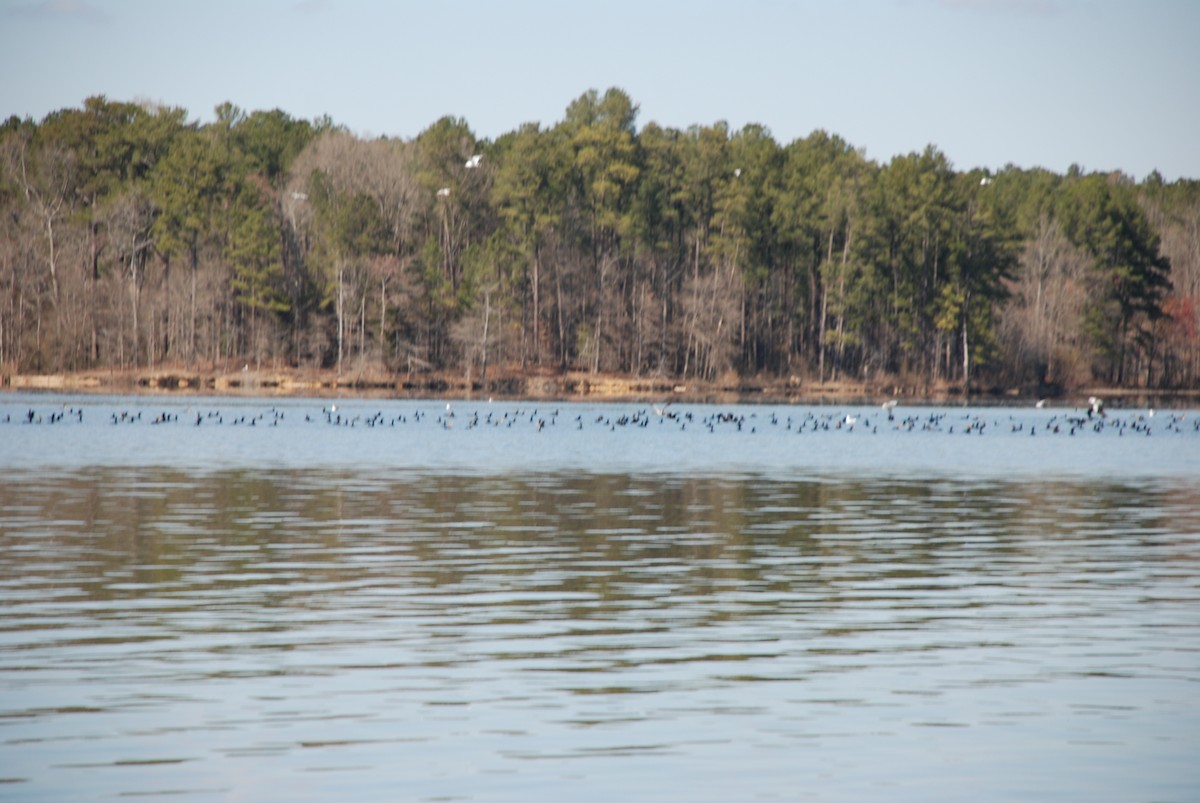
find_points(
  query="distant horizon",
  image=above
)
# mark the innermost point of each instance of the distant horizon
(1103, 84)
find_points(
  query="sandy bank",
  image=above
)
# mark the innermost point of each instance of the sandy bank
(567, 386)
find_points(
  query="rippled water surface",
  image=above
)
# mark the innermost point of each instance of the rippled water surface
(396, 601)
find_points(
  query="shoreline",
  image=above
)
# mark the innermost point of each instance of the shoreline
(559, 386)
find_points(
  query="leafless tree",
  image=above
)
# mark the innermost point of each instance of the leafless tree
(712, 308)
(47, 181)
(1179, 230)
(1042, 320)
(129, 220)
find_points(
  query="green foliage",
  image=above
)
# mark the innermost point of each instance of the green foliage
(1101, 214)
(192, 186)
(253, 252)
(115, 143)
(350, 225)
(604, 160)
(599, 244)
(443, 149)
(271, 141)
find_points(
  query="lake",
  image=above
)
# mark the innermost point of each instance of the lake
(315, 599)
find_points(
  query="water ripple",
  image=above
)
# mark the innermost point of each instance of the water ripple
(360, 634)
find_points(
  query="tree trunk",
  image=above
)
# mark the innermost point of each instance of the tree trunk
(383, 320)
(135, 300)
(966, 344)
(53, 258)
(537, 306)
(192, 316)
(341, 315)
(562, 330)
(487, 313)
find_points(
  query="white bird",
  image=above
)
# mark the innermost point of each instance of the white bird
(474, 161)
(1040, 403)
(983, 182)
(737, 172)
(444, 192)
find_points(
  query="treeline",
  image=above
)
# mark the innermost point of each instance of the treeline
(132, 237)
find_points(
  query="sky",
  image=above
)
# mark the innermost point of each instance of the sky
(1102, 84)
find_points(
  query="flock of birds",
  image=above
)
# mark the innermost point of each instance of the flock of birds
(1094, 418)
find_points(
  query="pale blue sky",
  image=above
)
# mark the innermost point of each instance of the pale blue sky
(1107, 84)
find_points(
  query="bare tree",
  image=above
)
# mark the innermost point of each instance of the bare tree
(712, 310)
(129, 220)
(477, 334)
(1042, 320)
(383, 171)
(1179, 230)
(47, 180)
(20, 277)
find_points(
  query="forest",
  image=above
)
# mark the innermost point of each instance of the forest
(131, 237)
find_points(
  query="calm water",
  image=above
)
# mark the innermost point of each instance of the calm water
(595, 602)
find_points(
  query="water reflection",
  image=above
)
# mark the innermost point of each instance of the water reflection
(308, 634)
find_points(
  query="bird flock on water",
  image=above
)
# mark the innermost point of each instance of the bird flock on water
(1094, 418)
